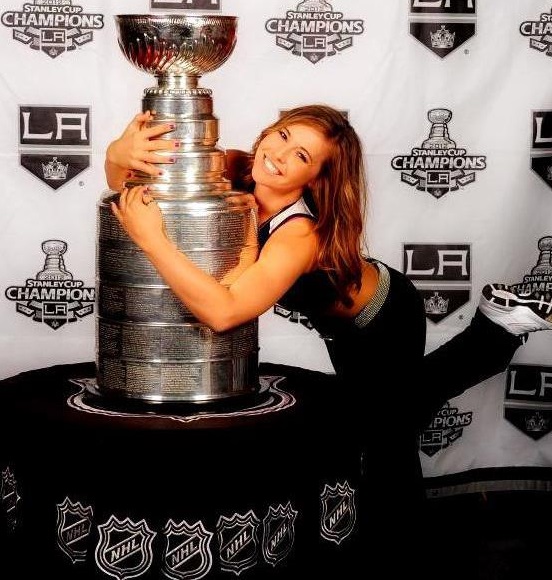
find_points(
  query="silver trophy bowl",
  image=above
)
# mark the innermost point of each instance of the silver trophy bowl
(175, 48)
(149, 346)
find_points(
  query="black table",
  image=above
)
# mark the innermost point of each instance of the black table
(265, 487)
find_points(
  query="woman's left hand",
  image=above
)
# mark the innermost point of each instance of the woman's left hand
(140, 217)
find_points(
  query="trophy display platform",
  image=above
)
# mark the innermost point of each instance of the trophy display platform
(265, 487)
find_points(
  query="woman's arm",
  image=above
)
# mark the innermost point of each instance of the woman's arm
(137, 149)
(289, 252)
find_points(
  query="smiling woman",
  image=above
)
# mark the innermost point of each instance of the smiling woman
(307, 176)
(288, 158)
(311, 157)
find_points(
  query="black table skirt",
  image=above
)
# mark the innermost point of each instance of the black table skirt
(266, 487)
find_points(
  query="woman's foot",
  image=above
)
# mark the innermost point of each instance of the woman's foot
(516, 313)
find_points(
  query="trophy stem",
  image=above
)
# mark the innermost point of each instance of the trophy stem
(177, 82)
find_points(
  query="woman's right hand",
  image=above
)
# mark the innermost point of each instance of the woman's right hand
(138, 146)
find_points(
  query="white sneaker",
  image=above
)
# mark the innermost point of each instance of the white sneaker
(517, 314)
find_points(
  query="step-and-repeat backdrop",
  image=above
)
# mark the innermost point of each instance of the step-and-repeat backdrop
(452, 100)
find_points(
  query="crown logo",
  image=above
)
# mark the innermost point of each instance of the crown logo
(536, 423)
(443, 38)
(55, 170)
(436, 304)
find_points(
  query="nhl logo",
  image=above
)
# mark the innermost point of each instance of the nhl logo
(73, 528)
(124, 548)
(238, 542)
(9, 498)
(278, 533)
(187, 554)
(338, 512)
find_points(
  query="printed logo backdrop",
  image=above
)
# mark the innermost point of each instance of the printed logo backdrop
(454, 113)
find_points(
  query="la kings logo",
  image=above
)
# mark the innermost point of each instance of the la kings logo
(442, 275)
(528, 401)
(446, 427)
(52, 26)
(539, 33)
(53, 296)
(314, 30)
(186, 4)
(438, 166)
(541, 145)
(54, 142)
(442, 25)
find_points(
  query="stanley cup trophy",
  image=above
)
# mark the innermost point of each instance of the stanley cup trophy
(148, 345)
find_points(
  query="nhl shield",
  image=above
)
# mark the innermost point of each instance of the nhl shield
(278, 533)
(188, 553)
(124, 548)
(73, 528)
(9, 497)
(338, 512)
(238, 541)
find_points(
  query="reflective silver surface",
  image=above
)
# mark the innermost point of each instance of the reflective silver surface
(176, 47)
(149, 346)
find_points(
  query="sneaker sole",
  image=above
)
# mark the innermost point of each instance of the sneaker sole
(503, 297)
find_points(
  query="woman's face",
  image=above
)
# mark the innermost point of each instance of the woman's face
(289, 158)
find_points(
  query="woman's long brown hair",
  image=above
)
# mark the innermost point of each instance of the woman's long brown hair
(339, 193)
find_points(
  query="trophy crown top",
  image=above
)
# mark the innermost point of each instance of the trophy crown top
(439, 115)
(545, 244)
(176, 44)
(54, 247)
